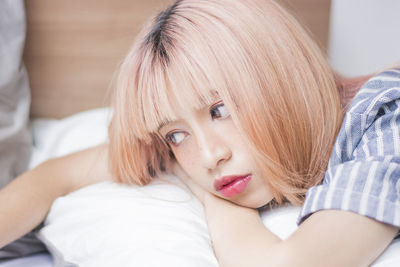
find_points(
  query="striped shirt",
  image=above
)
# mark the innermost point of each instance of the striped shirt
(363, 174)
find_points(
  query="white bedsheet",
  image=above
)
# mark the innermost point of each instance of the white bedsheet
(55, 138)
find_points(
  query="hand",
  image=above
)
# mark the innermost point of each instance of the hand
(196, 189)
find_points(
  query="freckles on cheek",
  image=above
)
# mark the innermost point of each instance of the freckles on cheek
(186, 158)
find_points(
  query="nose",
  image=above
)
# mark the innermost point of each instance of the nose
(213, 149)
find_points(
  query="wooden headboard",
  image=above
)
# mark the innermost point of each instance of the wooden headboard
(73, 47)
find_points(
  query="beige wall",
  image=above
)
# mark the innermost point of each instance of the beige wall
(74, 47)
(314, 14)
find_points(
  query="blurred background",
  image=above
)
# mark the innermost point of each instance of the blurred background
(364, 35)
(73, 47)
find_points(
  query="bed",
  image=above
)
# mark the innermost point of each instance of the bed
(72, 51)
(107, 224)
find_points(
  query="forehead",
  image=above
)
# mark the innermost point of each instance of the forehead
(181, 106)
(165, 90)
(166, 100)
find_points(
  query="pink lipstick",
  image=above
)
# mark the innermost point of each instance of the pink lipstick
(230, 186)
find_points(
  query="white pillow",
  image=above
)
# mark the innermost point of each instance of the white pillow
(108, 224)
(54, 138)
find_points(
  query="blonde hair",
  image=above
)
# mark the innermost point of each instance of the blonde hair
(273, 78)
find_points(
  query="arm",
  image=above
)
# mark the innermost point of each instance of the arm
(29, 197)
(326, 238)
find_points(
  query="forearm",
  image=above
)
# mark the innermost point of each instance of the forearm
(239, 236)
(240, 239)
(26, 201)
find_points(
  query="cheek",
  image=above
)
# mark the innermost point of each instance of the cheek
(187, 156)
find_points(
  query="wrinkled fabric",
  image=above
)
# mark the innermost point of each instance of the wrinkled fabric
(363, 174)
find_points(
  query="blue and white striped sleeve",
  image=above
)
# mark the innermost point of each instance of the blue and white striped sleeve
(363, 174)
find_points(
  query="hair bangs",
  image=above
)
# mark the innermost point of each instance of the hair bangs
(189, 85)
(163, 90)
(252, 54)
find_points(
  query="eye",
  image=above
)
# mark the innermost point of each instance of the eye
(175, 138)
(219, 111)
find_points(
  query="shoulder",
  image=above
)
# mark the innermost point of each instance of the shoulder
(363, 174)
(379, 90)
(376, 105)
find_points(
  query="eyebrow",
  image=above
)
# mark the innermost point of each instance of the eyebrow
(214, 94)
(162, 124)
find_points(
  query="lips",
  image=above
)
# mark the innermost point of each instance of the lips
(230, 186)
(225, 180)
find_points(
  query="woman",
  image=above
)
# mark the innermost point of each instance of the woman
(236, 99)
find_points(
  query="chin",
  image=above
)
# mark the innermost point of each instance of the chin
(252, 203)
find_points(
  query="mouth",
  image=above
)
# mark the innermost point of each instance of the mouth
(232, 185)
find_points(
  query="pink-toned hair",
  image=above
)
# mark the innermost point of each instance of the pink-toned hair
(273, 78)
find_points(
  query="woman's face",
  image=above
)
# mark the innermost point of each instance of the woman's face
(209, 147)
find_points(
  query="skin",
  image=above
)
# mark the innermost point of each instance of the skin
(238, 235)
(207, 145)
(349, 87)
(33, 192)
(203, 149)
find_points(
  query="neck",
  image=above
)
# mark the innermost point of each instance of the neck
(348, 87)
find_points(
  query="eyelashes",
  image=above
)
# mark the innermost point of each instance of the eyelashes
(219, 111)
(216, 111)
(175, 138)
